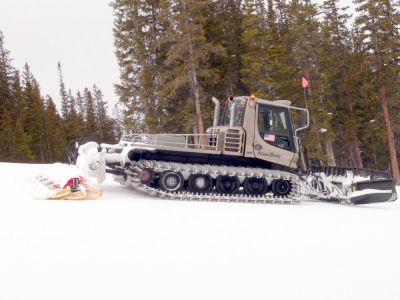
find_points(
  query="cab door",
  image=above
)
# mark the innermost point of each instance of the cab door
(273, 136)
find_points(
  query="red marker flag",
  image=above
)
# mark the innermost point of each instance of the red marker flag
(304, 83)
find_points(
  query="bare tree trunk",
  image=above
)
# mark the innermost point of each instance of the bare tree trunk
(314, 122)
(195, 88)
(329, 159)
(386, 115)
(330, 154)
(374, 152)
(352, 162)
(303, 160)
(302, 157)
(390, 135)
(196, 99)
(353, 135)
(356, 149)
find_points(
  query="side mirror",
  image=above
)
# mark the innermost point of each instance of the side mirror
(304, 118)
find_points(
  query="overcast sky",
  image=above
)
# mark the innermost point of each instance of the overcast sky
(78, 33)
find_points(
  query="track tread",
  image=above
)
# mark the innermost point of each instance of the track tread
(296, 195)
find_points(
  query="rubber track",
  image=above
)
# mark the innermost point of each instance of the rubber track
(132, 180)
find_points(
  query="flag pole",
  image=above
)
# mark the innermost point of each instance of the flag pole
(305, 97)
(305, 84)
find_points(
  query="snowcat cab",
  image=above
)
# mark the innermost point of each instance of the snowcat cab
(260, 129)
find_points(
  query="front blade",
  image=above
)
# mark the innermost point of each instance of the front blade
(373, 191)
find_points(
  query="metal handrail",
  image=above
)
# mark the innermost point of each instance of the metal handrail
(191, 141)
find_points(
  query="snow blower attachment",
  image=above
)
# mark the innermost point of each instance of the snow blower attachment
(56, 188)
(249, 155)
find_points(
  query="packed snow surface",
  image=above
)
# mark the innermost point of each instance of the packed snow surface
(131, 246)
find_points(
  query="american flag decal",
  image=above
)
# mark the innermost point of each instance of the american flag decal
(269, 137)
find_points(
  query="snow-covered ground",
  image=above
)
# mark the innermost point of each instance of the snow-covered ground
(130, 246)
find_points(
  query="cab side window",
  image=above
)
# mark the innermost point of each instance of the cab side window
(273, 126)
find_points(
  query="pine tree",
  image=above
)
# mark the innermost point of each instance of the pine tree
(117, 116)
(100, 111)
(337, 62)
(34, 121)
(6, 137)
(138, 29)
(21, 151)
(104, 123)
(283, 74)
(188, 55)
(281, 14)
(255, 70)
(14, 142)
(378, 23)
(17, 107)
(54, 133)
(81, 107)
(303, 38)
(74, 124)
(224, 29)
(90, 115)
(6, 73)
(63, 94)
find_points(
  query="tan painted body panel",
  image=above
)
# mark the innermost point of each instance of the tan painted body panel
(256, 147)
(231, 140)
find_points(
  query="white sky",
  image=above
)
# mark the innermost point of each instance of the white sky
(78, 33)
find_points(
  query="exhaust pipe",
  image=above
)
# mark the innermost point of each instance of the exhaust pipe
(216, 111)
(232, 118)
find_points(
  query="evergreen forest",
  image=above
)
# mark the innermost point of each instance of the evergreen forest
(32, 129)
(174, 55)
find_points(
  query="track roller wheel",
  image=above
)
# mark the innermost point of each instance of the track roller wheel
(200, 183)
(227, 184)
(281, 187)
(255, 186)
(171, 181)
